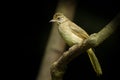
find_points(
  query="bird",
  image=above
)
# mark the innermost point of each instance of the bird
(73, 34)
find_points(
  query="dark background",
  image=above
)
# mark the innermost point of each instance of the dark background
(93, 15)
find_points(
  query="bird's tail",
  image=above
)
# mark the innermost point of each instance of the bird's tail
(94, 61)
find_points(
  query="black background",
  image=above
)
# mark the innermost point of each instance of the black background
(92, 14)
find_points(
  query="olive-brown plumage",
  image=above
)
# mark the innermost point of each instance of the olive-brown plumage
(73, 34)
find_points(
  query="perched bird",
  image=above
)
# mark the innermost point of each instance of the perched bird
(73, 34)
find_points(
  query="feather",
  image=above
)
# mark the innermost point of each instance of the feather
(78, 31)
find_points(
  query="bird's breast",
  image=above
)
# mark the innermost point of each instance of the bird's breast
(69, 37)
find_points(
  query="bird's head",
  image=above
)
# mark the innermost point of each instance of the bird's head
(59, 18)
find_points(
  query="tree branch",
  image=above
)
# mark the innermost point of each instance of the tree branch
(58, 67)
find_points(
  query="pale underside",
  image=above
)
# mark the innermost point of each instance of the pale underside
(72, 35)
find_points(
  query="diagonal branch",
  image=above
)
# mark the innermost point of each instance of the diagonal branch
(58, 67)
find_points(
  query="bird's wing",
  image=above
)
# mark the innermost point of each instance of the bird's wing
(78, 31)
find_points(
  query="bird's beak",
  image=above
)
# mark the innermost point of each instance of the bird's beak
(52, 20)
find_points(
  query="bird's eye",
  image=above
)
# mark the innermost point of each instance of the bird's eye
(58, 18)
